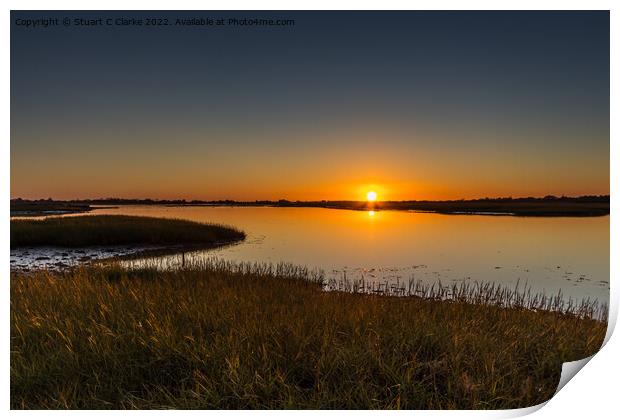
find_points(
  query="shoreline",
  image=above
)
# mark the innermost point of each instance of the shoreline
(88, 255)
(519, 207)
(42, 213)
(58, 243)
(437, 291)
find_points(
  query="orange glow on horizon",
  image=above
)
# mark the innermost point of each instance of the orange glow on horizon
(179, 185)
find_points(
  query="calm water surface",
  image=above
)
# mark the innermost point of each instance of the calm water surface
(549, 254)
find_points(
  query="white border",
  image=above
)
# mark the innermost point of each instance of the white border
(591, 394)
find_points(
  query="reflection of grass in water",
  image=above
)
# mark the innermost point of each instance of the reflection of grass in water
(219, 335)
(117, 230)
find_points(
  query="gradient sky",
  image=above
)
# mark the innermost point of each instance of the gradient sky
(415, 105)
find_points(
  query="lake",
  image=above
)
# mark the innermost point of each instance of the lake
(546, 253)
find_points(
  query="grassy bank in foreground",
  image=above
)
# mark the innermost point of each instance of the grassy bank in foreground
(118, 230)
(216, 336)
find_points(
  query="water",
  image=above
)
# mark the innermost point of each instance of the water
(549, 254)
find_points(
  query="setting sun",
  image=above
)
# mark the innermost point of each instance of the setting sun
(371, 196)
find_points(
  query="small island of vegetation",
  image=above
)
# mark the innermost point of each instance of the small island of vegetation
(109, 230)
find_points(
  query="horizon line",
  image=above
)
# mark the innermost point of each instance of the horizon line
(548, 197)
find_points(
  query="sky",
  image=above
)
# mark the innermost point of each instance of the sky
(412, 105)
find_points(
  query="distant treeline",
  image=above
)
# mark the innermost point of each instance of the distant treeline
(587, 205)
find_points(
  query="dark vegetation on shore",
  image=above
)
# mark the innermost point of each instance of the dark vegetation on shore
(528, 206)
(216, 335)
(565, 206)
(46, 207)
(119, 230)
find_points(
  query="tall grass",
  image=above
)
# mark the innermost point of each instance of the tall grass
(477, 293)
(218, 335)
(520, 296)
(110, 230)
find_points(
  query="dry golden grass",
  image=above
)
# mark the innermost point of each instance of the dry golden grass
(212, 336)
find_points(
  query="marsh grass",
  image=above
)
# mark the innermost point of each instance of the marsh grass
(477, 293)
(220, 335)
(110, 230)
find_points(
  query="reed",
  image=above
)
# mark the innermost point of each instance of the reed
(109, 230)
(213, 334)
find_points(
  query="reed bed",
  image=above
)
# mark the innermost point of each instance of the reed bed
(109, 230)
(474, 292)
(223, 335)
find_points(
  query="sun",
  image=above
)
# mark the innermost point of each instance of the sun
(371, 196)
